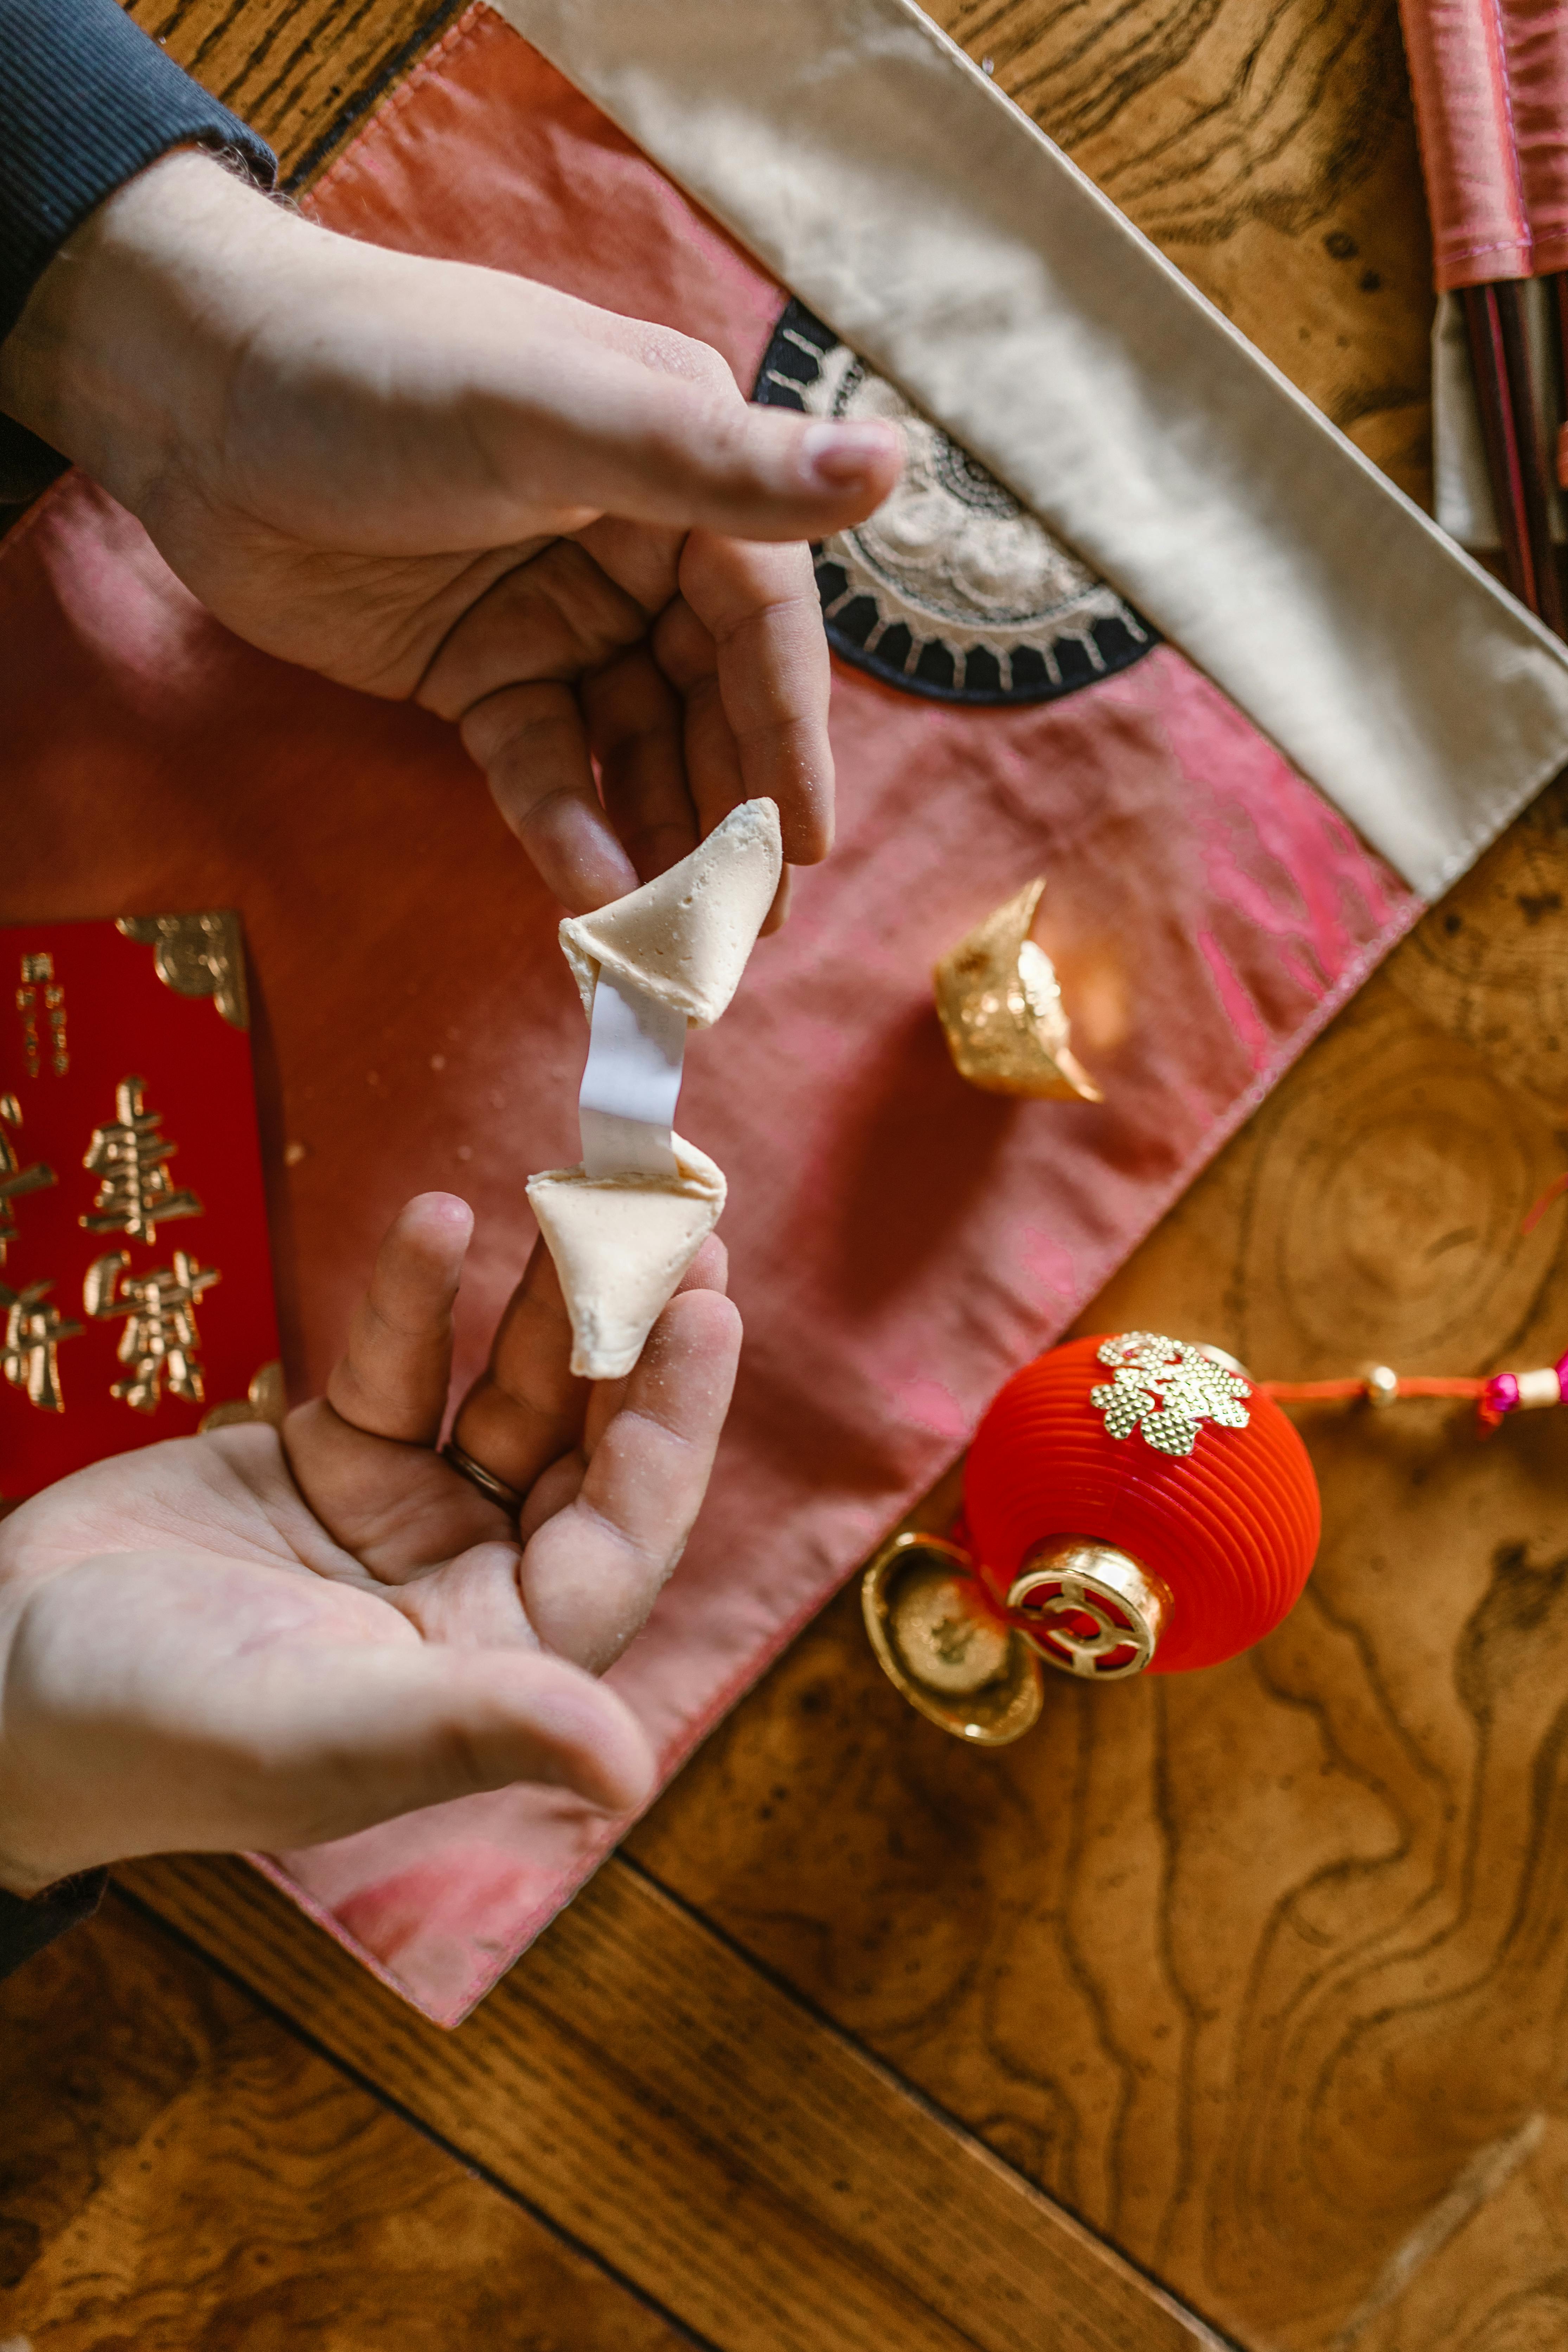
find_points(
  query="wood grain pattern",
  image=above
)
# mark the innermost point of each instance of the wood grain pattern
(1252, 1969)
(86, 2068)
(652, 2093)
(181, 2171)
(304, 73)
(1267, 146)
(1490, 2273)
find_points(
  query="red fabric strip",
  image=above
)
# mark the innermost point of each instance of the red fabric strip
(1491, 83)
(899, 1242)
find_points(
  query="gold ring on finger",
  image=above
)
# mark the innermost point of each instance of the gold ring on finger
(494, 1489)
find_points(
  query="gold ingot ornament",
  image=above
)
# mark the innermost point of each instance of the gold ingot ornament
(1001, 1008)
(938, 1641)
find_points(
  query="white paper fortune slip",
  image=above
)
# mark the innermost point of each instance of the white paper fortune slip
(636, 1047)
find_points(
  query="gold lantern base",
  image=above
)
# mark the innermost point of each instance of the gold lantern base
(939, 1640)
(1093, 1611)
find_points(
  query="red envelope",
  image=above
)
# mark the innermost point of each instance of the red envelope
(135, 1279)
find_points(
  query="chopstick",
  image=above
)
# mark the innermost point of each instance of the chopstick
(1557, 293)
(1516, 462)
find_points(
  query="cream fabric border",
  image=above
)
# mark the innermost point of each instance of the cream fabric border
(855, 149)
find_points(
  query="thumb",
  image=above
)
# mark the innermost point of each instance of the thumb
(662, 435)
(697, 456)
(148, 1736)
(381, 1731)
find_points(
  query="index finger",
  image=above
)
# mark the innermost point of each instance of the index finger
(591, 1573)
(747, 629)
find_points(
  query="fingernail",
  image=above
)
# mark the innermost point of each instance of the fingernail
(837, 455)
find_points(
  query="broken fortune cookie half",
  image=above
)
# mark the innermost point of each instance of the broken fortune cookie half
(625, 1224)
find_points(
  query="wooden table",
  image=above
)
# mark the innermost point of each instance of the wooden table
(1258, 1974)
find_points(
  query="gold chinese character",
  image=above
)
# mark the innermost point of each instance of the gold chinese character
(37, 967)
(32, 1334)
(137, 1195)
(160, 1339)
(15, 1179)
(27, 1005)
(54, 1001)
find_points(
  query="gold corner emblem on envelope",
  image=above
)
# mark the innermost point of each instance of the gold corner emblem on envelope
(196, 955)
(266, 1400)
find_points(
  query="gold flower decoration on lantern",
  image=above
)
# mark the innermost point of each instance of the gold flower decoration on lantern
(1165, 1387)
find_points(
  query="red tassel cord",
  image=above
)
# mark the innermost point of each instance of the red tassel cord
(1500, 1394)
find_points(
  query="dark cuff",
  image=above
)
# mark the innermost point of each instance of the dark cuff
(27, 466)
(86, 102)
(29, 1922)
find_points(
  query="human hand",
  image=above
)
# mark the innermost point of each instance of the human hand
(560, 527)
(254, 1639)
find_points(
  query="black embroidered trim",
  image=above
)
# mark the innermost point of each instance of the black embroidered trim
(1044, 663)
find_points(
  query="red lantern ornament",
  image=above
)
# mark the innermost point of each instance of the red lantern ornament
(1136, 1503)
(1131, 1504)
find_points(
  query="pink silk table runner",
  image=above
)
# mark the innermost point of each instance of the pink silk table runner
(899, 1242)
(1491, 83)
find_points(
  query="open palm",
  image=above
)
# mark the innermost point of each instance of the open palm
(255, 1639)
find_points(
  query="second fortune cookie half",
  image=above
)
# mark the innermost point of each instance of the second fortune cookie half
(621, 1244)
(622, 1237)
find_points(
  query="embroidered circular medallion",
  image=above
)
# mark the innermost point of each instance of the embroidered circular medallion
(953, 589)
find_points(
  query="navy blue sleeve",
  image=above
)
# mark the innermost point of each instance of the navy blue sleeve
(85, 101)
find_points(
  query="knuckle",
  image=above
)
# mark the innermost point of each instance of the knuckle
(682, 646)
(502, 724)
(686, 356)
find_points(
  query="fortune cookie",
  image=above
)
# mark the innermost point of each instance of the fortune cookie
(685, 936)
(621, 1240)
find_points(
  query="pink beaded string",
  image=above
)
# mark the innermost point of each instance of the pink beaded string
(1508, 1392)
(1496, 1397)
